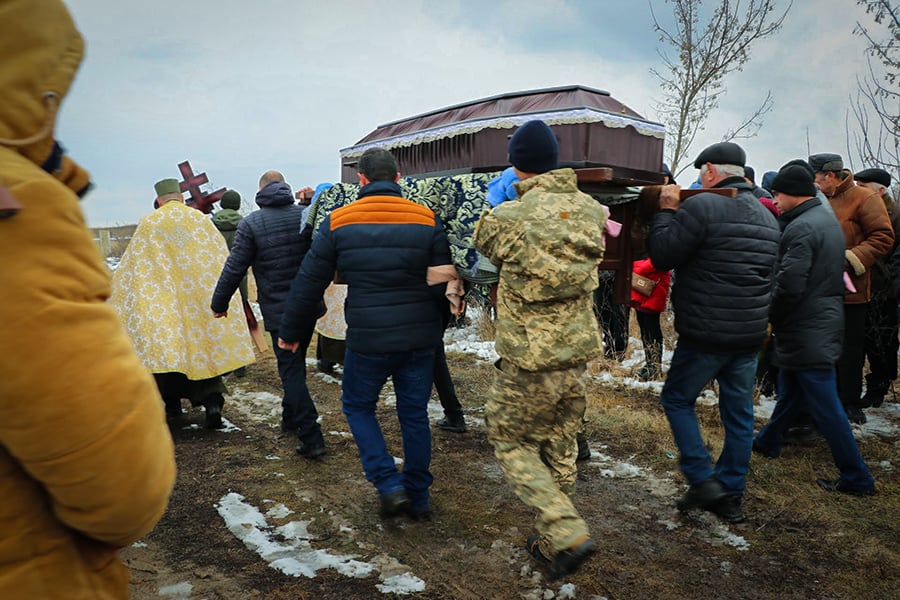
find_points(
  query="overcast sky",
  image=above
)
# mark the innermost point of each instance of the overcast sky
(240, 87)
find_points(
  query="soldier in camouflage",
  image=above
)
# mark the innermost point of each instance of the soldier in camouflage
(547, 243)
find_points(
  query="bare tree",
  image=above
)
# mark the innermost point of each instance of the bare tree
(693, 83)
(876, 106)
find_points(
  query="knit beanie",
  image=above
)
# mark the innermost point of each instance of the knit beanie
(750, 173)
(795, 181)
(230, 199)
(533, 148)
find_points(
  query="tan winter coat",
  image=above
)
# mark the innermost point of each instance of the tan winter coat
(867, 231)
(86, 459)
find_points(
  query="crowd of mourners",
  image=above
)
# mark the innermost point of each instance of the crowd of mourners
(802, 271)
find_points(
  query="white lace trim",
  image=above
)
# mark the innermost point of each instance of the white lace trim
(562, 117)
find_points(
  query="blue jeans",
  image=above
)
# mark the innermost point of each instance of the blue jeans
(298, 411)
(411, 372)
(689, 373)
(816, 390)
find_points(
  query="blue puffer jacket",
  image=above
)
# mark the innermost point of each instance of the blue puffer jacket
(268, 240)
(381, 245)
(723, 251)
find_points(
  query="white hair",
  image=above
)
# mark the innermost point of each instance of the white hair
(724, 170)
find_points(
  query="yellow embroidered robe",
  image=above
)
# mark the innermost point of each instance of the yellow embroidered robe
(162, 290)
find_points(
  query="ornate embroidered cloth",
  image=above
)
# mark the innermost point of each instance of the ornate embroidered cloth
(162, 289)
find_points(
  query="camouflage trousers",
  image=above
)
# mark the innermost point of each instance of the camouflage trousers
(532, 419)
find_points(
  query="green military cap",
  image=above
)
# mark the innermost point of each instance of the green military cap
(167, 186)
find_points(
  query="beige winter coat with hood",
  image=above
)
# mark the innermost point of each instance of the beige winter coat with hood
(86, 459)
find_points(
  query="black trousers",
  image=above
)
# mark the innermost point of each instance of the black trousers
(651, 331)
(443, 383)
(613, 317)
(849, 366)
(297, 408)
(881, 343)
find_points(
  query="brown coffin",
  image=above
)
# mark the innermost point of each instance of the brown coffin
(593, 128)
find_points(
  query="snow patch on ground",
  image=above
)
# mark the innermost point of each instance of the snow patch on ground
(178, 591)
(288, 549)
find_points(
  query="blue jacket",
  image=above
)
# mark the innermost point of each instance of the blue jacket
(268, 240)
(723, 251)
(381, 245)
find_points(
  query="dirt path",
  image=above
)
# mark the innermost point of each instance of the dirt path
(250, 519)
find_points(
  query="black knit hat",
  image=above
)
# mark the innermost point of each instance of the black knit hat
(794, 180)
(230, 199)
(533, 148)
(749, 173)
(879, 176)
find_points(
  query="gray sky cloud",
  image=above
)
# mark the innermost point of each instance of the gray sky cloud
(241, 87)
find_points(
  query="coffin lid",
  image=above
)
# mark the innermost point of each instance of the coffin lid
(566, 105)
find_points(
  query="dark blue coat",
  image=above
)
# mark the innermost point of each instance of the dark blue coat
(807, 311)
(381, 245)
(723, 252)
(268, 240)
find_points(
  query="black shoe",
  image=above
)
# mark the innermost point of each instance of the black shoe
(873, 397)
(533, 545)
(801, 435)
(325, 367)
(311, 450)
(565, 562)
(728, 509)
(422, 515)
(240, 372)
(702, 495)
(213, 407)
(856, 415)
(173, 409)
(837, 485)
(454, 425)
(648, 373)
(760, 451)
(213, 417)
(584, 450)
(394, 504)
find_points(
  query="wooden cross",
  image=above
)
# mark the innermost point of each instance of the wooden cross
(199, 200)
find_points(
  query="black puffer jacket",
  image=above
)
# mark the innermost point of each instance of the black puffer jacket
(723, 251)
(382, 246)
(268, 240)
(807, 311)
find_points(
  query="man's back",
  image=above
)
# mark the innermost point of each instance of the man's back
(548, 245)
(268, 239)
(723, 251)
(807, 303)
(382, 246)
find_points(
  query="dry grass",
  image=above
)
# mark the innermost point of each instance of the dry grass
(857, 538)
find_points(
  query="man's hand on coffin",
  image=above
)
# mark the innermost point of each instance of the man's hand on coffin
(670, 197)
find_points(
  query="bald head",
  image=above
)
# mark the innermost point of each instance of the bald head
(270, 177)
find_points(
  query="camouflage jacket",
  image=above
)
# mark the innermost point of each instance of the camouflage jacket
(547, 244)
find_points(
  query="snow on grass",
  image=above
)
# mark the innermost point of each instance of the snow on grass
(178, 591)
(288, 549)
